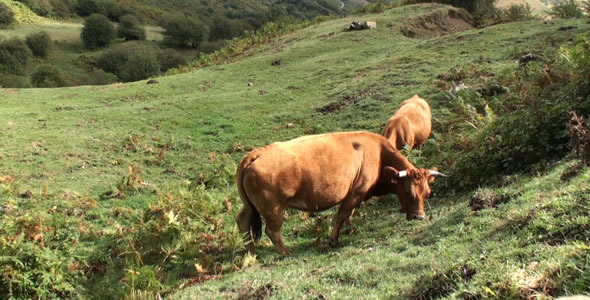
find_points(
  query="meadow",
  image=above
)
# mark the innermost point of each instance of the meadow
(128, 189)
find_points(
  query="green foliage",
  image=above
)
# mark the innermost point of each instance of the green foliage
(14, 55)
(529, 125)
(169, 58)
(223, 28)
(113, 60)
(88, 7)
(40, 7)
(40, 43)
(47, 76)
(566, 9)
(586, 7)
(518, 12)
(100, 77)
(140, 65)
(131, 29)
(183, 31)
(97, 32)
(114, 10)
(63, 8)
(6, 15)
(14, 81)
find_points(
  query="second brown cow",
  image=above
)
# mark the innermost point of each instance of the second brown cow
(410, 125)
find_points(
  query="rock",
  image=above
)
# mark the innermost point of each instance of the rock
(152, 81)
(358, 25)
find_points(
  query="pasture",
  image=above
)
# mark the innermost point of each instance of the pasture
(129, 187)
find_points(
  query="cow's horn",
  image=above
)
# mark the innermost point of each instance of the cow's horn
(436, 173)
(402, 174)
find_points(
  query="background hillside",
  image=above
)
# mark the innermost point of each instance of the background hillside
(127, 190)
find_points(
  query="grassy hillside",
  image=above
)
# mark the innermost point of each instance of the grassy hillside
(127, 186)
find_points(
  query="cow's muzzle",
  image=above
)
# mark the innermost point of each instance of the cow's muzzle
(411, 217)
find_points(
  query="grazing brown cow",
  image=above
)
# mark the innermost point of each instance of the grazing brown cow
(411, 124)
(314, 173)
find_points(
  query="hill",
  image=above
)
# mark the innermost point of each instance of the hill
(106, 190)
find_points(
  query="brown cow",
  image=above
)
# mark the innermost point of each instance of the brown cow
(314, 173)
(411, 124)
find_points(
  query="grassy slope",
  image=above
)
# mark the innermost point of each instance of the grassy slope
(77, 140)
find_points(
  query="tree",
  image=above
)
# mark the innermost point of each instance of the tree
(39, 43)
(223, 28)
(182, 31)
(89, 7)
(566, 9)
(97, 32)
(6, 15)
(586, 7)
(14, 55)
(140, 66)
(47, 76)
(131, 29)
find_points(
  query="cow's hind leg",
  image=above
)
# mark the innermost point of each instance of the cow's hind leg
(273, 230)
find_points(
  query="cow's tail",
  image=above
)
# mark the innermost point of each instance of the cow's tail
(255, 221)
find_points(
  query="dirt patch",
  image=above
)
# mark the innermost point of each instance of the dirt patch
(484, 198)
(260, 293)
(440, 285)
(374, 91)
(438, 23)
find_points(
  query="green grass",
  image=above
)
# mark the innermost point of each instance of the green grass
(69, 144)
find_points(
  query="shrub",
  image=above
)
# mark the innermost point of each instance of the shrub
(14, 81)
(6, 15)
(40, 7)
(168, 59)
(39, 43)
(14, 55)
(566, 9)
(113, 60)
(223, 28)
(518, 12)
(211, 46)
(47, 76)
(100, 77)
(89, 7)
(182, 31)
(62, 8)
(131, 29)
(97, 32)
(114, 11)
(140, 66)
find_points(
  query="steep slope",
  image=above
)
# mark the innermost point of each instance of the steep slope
(137, 179)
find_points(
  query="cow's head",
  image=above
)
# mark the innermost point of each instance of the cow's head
(412, 186)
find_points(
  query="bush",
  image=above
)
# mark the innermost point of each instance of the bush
(211, 46)
(97, 32)
(566, 9)
(131, 29)
(114, 11)
(517, 12)
(168, 59)
(14, 81)
(62, 8)
(89, 7)
(6, 15)
(40, 7)
(182, 31)
(223, 28)
(100, 77)
(47, 76)
(39, 43)
(14, 55)
(140, 66)
(113, 60)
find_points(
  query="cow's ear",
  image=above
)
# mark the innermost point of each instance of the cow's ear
(391, 174)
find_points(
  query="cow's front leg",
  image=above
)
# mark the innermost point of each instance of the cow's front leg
(344, 212)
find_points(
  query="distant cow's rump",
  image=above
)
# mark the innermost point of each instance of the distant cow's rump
(411, 124)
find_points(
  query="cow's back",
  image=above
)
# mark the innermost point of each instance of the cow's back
(315, 172)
